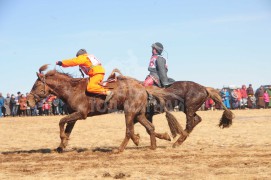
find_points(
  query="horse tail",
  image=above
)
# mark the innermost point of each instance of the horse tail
(227, 117)
(174, 125)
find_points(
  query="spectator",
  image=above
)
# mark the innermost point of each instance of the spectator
(209, 104)
(61, 104)
(34, 110)
(13, 105)
(239, 96)
(250, 93)
(269, 93)
(226, 97)
(40, 107)
(56, 106)
(259, 96)
(65, 109)
(7, 105)
(28, 109)
(266, 99)
(46, 108)
(50, 100)
(243, 96)
(234, 99)
(17, 107)
(2, 101)
(23, 105)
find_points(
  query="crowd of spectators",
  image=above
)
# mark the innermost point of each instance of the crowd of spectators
(12, 105)
(232, 97)
(242, 98)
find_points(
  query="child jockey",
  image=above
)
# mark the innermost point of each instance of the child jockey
(92, 67)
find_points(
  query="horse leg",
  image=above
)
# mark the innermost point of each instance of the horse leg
(197, 120)
(189, 128)
(64, 134)
(164, 136)
(150, 129)
(68, 129)
(129, 132)
(191, 122)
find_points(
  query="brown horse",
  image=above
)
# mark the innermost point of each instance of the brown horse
(129, 95)
(191, 97)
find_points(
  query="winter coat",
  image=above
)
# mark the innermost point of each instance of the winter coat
(23, 103)
(158, 70)
(88, 63)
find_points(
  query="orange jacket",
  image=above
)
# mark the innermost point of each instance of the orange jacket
(88, 63)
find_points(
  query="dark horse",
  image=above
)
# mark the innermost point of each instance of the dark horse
(129, 95)
(192, 96)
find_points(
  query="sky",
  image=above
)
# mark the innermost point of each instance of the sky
(214, 43)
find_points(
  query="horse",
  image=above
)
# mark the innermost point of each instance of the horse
(129, 95)
(191, 96)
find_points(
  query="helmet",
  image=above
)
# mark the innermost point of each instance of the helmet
(80, 52)
(158, 46)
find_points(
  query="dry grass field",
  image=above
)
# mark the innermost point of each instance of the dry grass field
(242, 151)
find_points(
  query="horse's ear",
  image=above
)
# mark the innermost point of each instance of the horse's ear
(39, 76)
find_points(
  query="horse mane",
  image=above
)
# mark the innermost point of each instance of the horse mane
(53, 72)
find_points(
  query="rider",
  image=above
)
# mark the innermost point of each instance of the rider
(157, 67)
(91, 66)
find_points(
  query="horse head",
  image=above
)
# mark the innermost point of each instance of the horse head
(40, 89)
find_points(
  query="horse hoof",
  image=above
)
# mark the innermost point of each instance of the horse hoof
(175, 145)
(167, 137)
(59, 150)
(152, 148)
(136, 140)
(116, 151)
(180, 140)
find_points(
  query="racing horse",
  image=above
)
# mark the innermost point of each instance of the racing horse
(129, 95)
(191, 96)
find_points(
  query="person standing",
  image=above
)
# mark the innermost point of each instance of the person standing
(234, 99)
(158, 68)
(61, 104)
(269, 93)
(250, 93)
(259, 95)
(46, 108)
(2, 101)
(23, 105)
(266, 99)
(13, 105)
(7, 105)
(40, 107)
(56, 106)
(244, 96)
(226, 97)
(17, 107)
(92, 67)
(50, 100)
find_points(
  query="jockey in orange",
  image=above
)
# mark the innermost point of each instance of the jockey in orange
(92, 67)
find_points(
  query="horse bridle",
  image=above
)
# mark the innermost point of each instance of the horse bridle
(37, 97)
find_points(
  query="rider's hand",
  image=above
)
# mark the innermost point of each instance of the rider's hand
(59, 63)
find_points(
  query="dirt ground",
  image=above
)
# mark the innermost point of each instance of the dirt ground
(243, 151)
